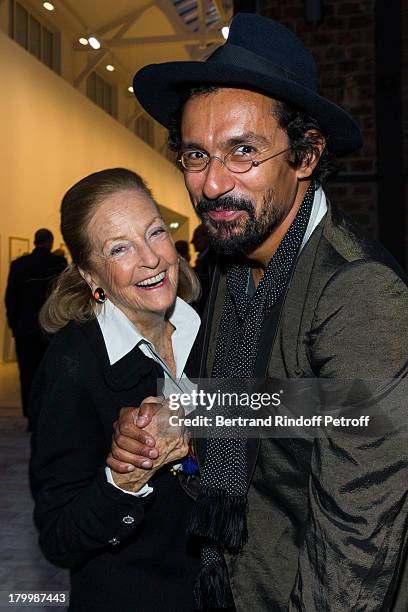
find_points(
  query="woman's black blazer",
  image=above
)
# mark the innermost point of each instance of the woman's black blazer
(125, 553)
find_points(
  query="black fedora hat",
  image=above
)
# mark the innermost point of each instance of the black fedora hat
(262, 55)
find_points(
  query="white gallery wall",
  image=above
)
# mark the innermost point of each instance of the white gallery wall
(51, 136)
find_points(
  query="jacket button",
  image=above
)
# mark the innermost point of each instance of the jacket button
(128, 520)
(298, 372)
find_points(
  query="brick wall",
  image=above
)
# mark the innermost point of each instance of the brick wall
(343, 47)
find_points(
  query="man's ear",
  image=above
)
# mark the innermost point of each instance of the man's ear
(311, 159)
(87, 278)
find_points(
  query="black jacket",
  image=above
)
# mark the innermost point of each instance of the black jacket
(27, 288)
(76, 397)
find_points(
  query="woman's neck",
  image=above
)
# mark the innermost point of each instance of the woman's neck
(158, 330)
(150, 325)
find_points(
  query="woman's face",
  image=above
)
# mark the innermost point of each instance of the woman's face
(133, 255)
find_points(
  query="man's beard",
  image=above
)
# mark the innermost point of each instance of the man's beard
(242, 235)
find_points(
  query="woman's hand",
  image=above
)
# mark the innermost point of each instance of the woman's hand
(146, 430)
(132, 446)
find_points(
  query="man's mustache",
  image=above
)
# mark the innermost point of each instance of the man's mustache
(225, 203)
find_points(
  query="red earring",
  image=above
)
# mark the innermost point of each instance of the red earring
(99, 295)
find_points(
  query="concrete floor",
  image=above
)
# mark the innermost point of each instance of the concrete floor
(22, 566)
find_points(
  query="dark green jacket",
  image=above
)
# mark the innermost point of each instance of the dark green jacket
(328, 518)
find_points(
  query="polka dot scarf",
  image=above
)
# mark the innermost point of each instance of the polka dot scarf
(220, 512)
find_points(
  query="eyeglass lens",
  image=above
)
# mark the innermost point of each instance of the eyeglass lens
(235, 161)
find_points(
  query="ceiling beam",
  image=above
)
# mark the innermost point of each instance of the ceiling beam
(133, 116)
(201, 16)
(129, 18)
(220, 10)
(92, 63)
(193, 38)
(195, 43)
(74, 14)
(198, 53)
(124, 28)
(169, 10)
(125, 23)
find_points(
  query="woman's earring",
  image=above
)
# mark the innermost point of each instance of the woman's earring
(99, 295)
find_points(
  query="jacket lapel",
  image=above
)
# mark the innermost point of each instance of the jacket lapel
(293, 310)
(318, 261)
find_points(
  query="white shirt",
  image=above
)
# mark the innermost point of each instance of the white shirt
(121, 336)
(319, 209)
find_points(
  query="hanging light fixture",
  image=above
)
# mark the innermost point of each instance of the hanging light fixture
(94, 42)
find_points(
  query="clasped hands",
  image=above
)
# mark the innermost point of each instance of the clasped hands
(143, 442)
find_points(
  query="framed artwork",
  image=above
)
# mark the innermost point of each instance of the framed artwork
(17, 247)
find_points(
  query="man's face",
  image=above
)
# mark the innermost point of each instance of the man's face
(239, 210)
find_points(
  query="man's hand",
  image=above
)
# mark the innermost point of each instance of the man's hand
(131, 444)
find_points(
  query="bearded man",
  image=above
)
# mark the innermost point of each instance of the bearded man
(318, 524)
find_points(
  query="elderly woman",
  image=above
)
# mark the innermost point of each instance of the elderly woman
(119, 327)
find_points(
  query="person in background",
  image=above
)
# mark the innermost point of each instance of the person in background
(201, 245)
(27, 289)
(60, 252)
(204, 264)
(182, 249)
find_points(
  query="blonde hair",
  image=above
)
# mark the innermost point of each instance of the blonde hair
(71, 298)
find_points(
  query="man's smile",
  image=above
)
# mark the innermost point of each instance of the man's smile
(224, 215)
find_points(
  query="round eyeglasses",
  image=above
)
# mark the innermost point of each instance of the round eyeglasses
(234, 161)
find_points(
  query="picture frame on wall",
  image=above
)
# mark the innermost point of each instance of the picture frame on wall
(17, 247)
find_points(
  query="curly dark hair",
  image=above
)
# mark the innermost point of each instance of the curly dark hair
(294, 121)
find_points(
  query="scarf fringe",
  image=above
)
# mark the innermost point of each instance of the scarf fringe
(220, 518)
(212, 589)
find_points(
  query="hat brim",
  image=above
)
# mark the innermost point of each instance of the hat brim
(159, 87)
